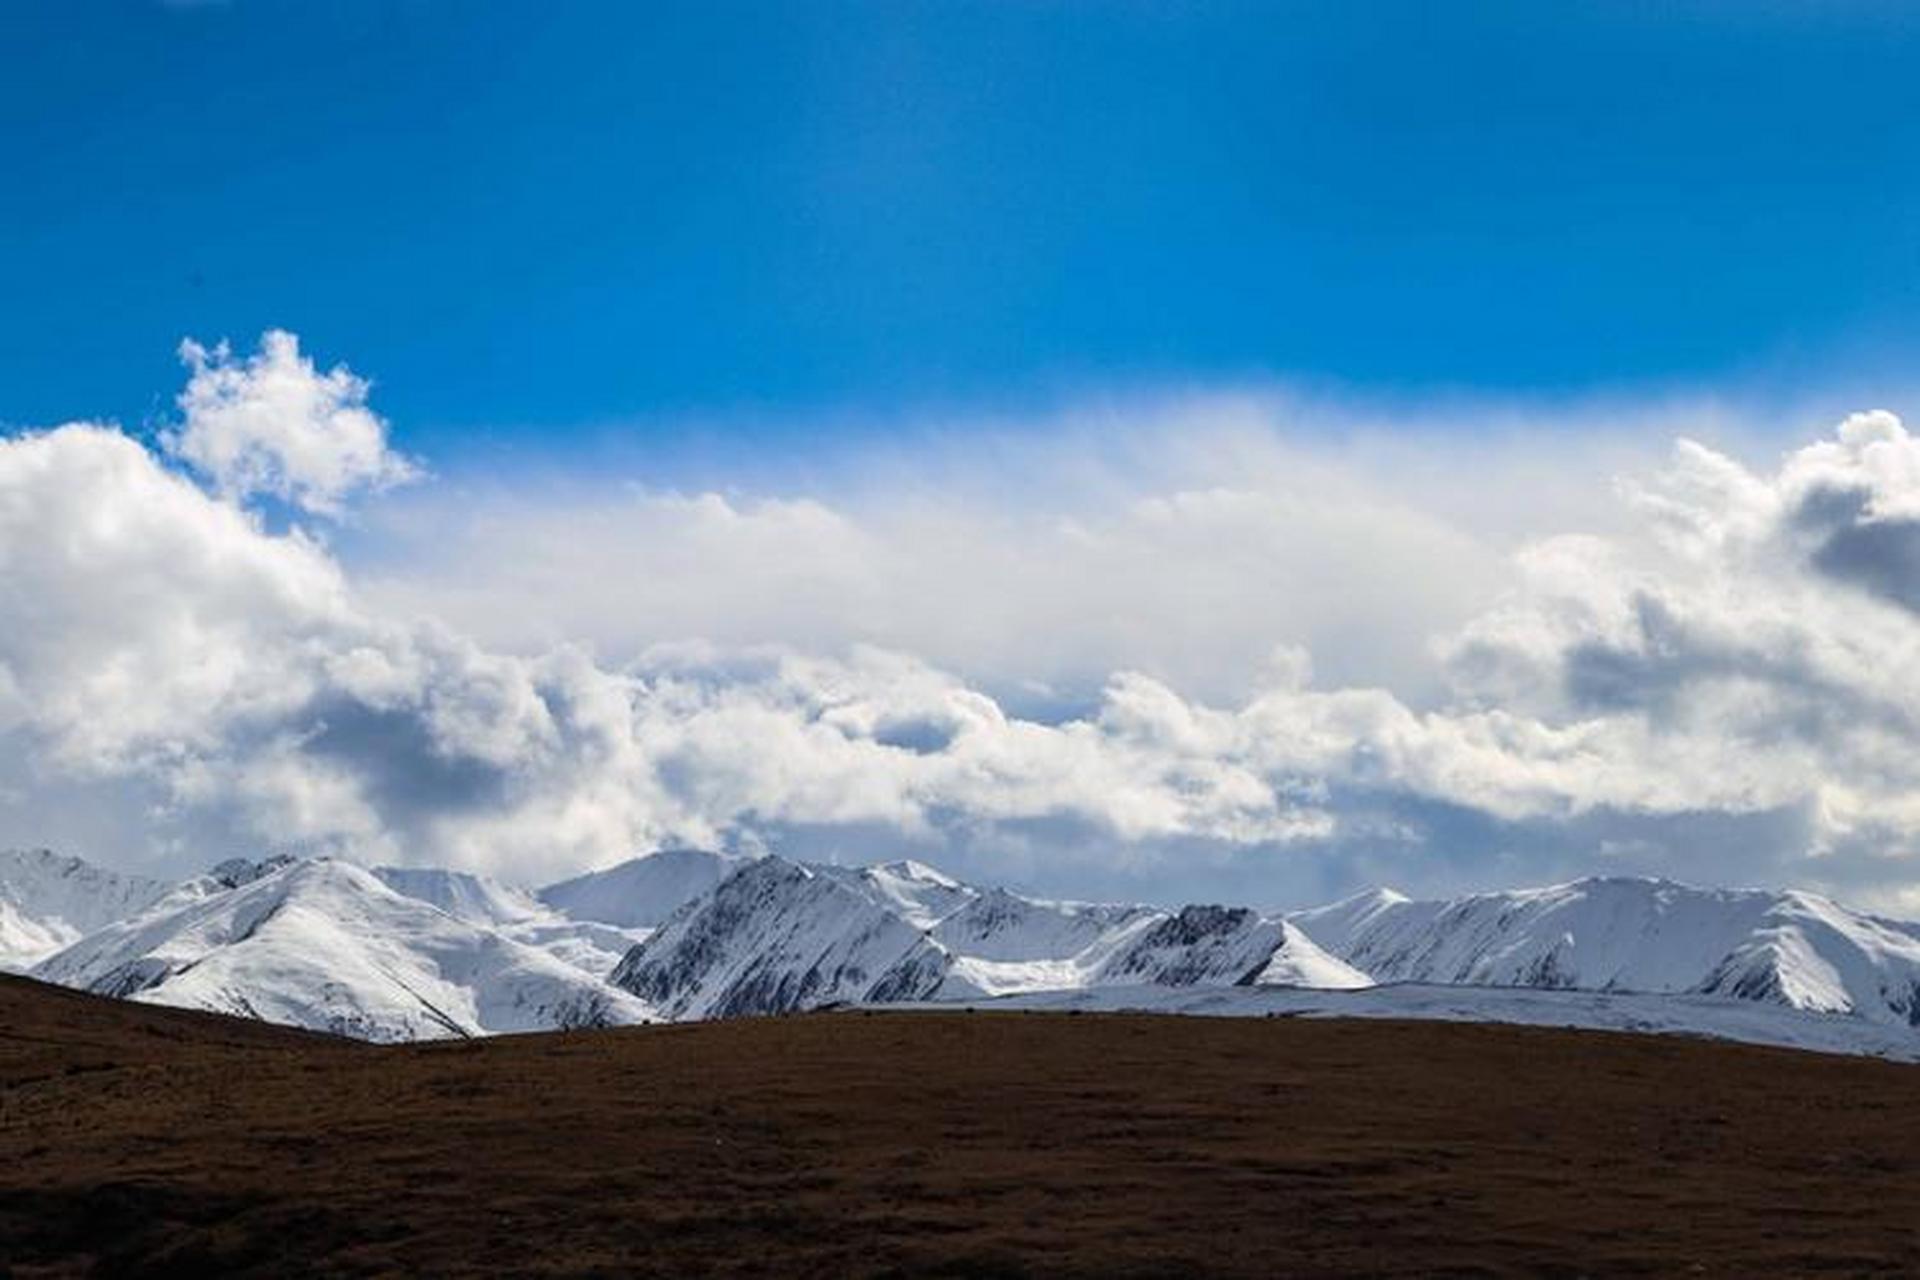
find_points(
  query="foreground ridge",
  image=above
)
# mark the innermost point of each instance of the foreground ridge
(140, 1140)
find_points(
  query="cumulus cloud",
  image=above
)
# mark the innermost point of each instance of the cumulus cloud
(1720, 683)
(1755, 648)
(162, 633)
(273, 424)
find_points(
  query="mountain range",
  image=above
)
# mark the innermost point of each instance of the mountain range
(48, 902)
(328, 945)
(778, 936)
(391, 953)
(1794, 949)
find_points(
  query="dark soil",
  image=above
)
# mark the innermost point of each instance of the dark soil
(141, 1141)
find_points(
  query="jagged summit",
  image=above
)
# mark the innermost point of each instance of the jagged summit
(916, 892)
(778, 935)
(912, 869)
(235, 872)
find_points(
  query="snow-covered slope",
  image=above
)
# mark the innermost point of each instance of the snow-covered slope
(327, 945)
(48, 901)
(406, 953)
(1626, 934)
(777, 936)
(463, 895)
(1225, 946)
(1002, 942)
(585, 944)
(640, 893)
(1741, 1020)
(1001, 926)
(911, 890)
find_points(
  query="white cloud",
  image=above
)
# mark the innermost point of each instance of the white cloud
(141, 615)
(1757, 646)
(1730, 660)
(1186, 545)
(165, 634)
(272, 424)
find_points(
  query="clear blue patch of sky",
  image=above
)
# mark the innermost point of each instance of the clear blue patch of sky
(537, 225)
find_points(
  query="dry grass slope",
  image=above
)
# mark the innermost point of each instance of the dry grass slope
(139, 1141)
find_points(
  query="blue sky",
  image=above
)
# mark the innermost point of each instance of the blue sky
(1118, 450)
(555, 224)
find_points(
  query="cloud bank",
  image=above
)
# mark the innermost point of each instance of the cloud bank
(1722, 682)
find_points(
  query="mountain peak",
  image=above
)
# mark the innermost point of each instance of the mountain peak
(642, 892)
(235, 872)
(50, 900)
(464, 895)
(325, 944)
(1638, 933)
(777, 936)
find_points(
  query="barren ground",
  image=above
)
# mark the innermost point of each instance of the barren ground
(137, 1140)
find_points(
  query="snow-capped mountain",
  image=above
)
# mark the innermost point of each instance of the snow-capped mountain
(48, 901)
(642, 892)
(777, 936)
(996, 925)
(326, 944)
(911, 890)
(478, 900)
(405, 953)
(1227, 946)
(1746, 1021)
(473, 898)
(1628, 934)
(1003, 943)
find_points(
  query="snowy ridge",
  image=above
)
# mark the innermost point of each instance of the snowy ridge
(463, 895)
(1742, 1021)
(911, 890)
(479, 900)
(1794, 949)
(997, 925)
(48, 902)
(407, 953)
(642, 892)
(778, 936)
(1227, 946)
(327, 945)
(1002, 942)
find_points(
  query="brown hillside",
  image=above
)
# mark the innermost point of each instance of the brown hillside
(135, 1140)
